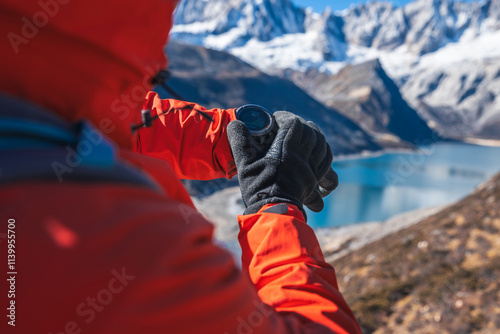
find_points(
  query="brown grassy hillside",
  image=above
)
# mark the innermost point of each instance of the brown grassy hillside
(441, 275)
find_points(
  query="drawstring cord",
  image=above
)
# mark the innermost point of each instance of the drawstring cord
(160, 79)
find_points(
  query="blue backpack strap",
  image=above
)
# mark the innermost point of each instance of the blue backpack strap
(51, 150)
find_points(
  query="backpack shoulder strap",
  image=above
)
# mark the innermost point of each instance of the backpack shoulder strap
(40, 148)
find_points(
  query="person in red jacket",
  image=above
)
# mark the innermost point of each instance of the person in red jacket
(101, 235)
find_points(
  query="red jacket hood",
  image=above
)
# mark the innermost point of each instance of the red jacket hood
(88, 59)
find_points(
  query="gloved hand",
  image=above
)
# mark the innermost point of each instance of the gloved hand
(295, 168)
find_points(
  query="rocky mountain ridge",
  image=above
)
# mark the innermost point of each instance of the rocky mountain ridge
(365, 94)
(422, 26)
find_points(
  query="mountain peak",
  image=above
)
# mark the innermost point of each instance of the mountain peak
(423, 25)
(366, 95)
(236, 21)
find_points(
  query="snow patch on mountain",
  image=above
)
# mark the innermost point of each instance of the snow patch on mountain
(275, 35)
(485, 46)
(295, 51)
(226, 24)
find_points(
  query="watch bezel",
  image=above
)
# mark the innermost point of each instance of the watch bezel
(263, 131)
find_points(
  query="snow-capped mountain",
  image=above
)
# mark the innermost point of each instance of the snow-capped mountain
(419, 27)
(233, 23)
(422, 26)
(413, 43)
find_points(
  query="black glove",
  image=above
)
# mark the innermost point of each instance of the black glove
(295, 168)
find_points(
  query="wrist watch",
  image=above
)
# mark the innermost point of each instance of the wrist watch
(259, 122)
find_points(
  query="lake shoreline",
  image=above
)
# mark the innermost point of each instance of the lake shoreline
(375, 154)
(380, 185)
(366, 206)
(336, 242)
(483, 142)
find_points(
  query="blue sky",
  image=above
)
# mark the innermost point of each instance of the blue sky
(320, 5)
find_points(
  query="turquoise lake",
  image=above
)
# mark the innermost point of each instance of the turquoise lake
(377, 188)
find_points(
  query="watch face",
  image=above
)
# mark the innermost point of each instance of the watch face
(257, 119)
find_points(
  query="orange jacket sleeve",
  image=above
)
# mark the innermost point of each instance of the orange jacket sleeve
(285, 263)
(194, 146)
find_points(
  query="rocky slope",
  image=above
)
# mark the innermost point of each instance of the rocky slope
(460, 100)
(366, 95)
(441, 275)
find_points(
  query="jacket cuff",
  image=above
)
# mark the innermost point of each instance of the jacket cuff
(222, 152)
(284, 209)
